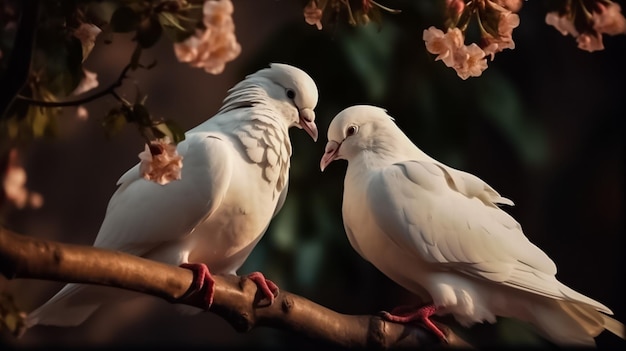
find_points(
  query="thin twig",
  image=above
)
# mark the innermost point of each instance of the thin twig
(109, 90)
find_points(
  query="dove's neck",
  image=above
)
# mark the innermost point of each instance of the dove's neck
(247, 93)
(265, 97)
(252, 100)
(387, 150)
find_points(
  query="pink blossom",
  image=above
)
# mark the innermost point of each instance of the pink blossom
(469, 61)
(313, 15)
(87, 34)
(563, 24)
(89, 81)
(14, 185)
(508, 21)
(160, 162)
(213, 47)
(35, 200)
(455, 6)
(443, 45)
(609, 20)
(511, 5)
(82, 113)
(590, 42)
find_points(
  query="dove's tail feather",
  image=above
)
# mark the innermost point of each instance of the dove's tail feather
(614, 326)
(574, 295)
(570, 323)
(64, 309)
(75, 303)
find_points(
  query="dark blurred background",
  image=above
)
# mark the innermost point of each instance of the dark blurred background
(542, 125)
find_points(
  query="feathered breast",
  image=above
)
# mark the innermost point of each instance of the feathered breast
(262, 134)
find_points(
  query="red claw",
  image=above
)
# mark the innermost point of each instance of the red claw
(405, 314)
(267, 287)
(201, 276)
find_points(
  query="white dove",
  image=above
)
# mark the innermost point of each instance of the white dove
(439, 233)
(234, 181)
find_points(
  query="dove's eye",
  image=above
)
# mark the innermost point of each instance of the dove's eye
(291, 94)
(352, 130)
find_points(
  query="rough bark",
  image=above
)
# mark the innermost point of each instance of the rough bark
(236, 299)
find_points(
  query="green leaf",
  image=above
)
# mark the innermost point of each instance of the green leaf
(114, 122)
(170, 129)
(10, 321)
(13, 127)
(39, 120)
(64, 81)
(124, 20)
(11, 317)
(149, 32)
(170, 20)
(58, 61)
(176, 34)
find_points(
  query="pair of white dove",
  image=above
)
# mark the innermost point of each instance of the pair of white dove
(436, 231)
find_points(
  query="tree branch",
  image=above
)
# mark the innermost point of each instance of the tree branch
(236, 299)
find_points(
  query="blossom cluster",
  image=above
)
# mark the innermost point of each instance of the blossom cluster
(600, 17)
(586, 20)
(160, 162)
(14, 184)
(313, 14)
(87, 34)
(358, 12)
(496, 21)
(214, 45)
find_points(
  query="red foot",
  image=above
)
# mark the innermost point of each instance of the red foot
(201, 276)
(267, 287)
(406, 314)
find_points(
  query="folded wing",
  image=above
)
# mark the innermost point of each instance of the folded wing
(451, 219)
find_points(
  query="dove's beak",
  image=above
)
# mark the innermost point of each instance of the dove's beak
(330, 154)
(307, 122)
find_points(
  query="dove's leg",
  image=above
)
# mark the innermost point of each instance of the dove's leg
(422, 314)
(269, 289)
(201, 276)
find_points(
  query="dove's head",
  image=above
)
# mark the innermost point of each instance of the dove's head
(358, 128)
(299, 89)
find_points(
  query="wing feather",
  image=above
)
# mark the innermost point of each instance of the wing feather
(453, 222)
(142, 215)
